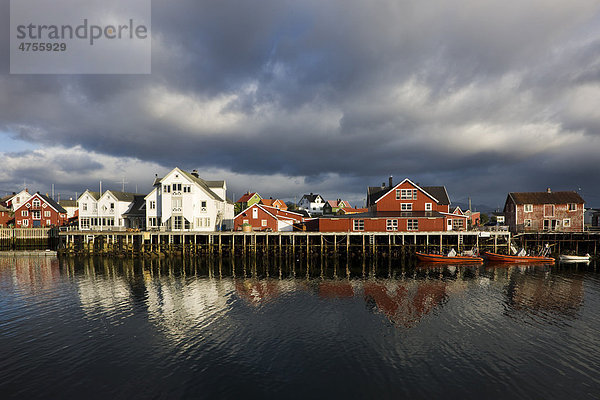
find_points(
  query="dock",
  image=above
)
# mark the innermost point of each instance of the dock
(396, 244)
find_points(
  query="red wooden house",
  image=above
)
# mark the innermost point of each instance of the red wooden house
(277, 203)
(544, 211)
(405, 207)
(266, 218)
(40, 211)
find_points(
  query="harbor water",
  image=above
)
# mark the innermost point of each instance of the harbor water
(176, 328)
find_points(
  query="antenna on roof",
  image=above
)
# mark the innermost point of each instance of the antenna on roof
(122, 182)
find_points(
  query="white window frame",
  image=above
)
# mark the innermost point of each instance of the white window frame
(566, 223)
(428, 206)
(406, 206)
(36, 214)
(263, 222)
(528, 208)
(412, 224)
(391, 225)
(527, 223)
(36, 202)
(25, 222)
(358, 225)
(255, 213)
(572, 209)
(24, 213)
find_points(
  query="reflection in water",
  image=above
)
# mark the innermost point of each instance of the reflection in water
(288, 322)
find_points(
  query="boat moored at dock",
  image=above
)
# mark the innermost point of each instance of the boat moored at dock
(495, 257)
(440, 258)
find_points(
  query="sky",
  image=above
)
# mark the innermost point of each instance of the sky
(325, 96)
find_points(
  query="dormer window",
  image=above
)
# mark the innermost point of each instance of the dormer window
(36, 202)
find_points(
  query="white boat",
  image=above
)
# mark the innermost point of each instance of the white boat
(574, 259)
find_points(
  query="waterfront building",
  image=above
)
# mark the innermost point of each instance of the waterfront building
(544, 211)
(246, 201)
(404, 207)
(69, 205)
(6, 216)
(182, 201)
(104, 212)
(40, 211)
(333, 206)
(265, 218)
(16, 200)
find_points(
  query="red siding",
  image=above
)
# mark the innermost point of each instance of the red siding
(271, 221)
(5, 217)
(388, 202)
(54, 219)
(377, 224)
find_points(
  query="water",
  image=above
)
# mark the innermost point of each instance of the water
(118, 329)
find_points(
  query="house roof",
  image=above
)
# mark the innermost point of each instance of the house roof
(138, 207)
(95, 195)
(546, 198)
(246, 197)
(311, 197)
(2, 208)
(68, 203)
(270, 202)
(123, 196)
(439, 192)
(48, 201)
(206, 185)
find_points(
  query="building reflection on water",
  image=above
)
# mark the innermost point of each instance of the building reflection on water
(182, 294)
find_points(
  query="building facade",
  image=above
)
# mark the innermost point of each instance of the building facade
(182, 201)
(544, 211)
(40, 211)
(266, 218)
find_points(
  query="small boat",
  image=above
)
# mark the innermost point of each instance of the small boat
(568, 258)
(440, 258)
(495, 257)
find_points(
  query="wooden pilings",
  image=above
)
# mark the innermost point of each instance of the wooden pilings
(395, 244)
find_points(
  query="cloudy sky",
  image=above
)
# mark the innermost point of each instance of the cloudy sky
(329, 96)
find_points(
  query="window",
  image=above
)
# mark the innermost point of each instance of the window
(263, 222)
(187, 188)
(177, 223)
(48, 222)
(177, 187)
(428, 207)
(359, 225)
(392, 224)
(548, 210)
(397, 194)
(203, 204)
(84, 206)
(255, 213)
(112, 206)
(412, 224)
(85, 223)
(152, 204)
(572, 207)
(406, 207)
(35, 202)
(36, 214)
(24, 213)
(167, 189)
(176, 204)
(527, 223)
(528, 208)
(567, 222)
(25, 222)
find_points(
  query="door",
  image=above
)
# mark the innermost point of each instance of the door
(449, 225)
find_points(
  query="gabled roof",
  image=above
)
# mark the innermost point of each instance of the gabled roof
(199, 181)
(2, 208)
(439, 192)
(246, 197)
(458, 211)
(68, 203)
(418, 188)
(274, 212)
(95, 195)
(46, 200)
(122, 196)
(311, 197)
(138, 207)
(546, 198)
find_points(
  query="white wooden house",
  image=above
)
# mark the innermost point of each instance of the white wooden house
(19, 199)
(313, 203)
(104, 212)
(182, 201)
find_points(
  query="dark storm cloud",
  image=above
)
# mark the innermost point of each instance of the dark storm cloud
(484, 97)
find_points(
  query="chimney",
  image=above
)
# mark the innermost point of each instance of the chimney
(383, 185)
(548, 190)
(391, 180)
(195, 173)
